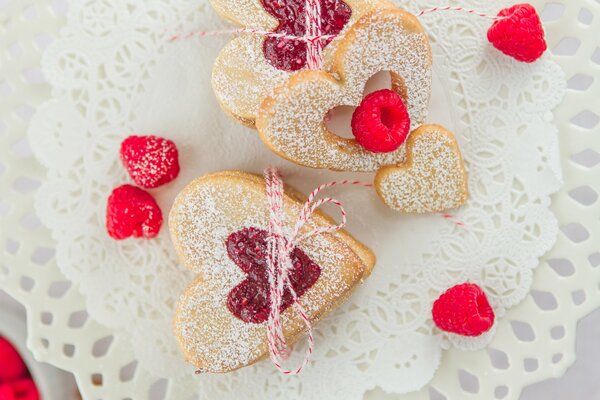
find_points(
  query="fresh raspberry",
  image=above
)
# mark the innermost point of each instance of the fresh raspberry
(381, 123)
(132, 212)
(519, 34)
(12, 365)
(150, 160)
(464, 310)
(23, 389)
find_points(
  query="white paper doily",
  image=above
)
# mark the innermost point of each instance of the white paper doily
(119, 75)
(117, 344)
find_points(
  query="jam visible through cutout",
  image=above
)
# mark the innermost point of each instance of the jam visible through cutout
(288, 54)
(250, 300)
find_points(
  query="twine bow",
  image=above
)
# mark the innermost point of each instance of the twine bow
(313, 37)
(280, 244)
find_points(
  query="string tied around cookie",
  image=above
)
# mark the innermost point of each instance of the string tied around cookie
(516, 31)
(314, 48)
(455, 8)
(281, 242)
(313, 36)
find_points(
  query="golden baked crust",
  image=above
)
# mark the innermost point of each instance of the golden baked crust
(433, 178)
(204, 214)
(291, 121)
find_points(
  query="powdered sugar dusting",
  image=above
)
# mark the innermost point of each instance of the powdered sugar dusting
(250, 13)
(433, 179)
(203, 217)
(151, 161)
(291, 121)
(242, 77)
(389, 43)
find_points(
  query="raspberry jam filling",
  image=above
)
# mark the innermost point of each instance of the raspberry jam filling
(290, 55)
(250, 301)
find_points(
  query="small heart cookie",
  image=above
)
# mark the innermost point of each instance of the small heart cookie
(292, 121)
(218, 225)
(433, 178)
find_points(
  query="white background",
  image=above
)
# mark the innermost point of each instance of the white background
(581, 382)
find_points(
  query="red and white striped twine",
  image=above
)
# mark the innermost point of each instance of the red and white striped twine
(314, 37)
(280, 246)
(453, 219)
(314, 48)
(451, 8)
(249, 31)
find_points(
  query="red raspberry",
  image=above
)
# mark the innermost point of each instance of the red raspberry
(23, 389)
(132, 212)
(464, 310)
(519, 34)
(150, 160)
(12, 365)
(381, 123)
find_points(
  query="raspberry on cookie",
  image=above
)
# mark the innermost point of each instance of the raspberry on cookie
(381, 123)
(291, 120)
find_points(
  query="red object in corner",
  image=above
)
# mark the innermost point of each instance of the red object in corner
(23, 389)
(12, 366)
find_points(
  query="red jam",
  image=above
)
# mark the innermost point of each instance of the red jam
(290, 55)
(250, 300)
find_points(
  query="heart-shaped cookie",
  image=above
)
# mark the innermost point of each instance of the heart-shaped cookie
(291, 121)
(251, 66)
(218, 226)
(433, 178)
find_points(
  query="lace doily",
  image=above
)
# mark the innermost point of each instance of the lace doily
(114, 74)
